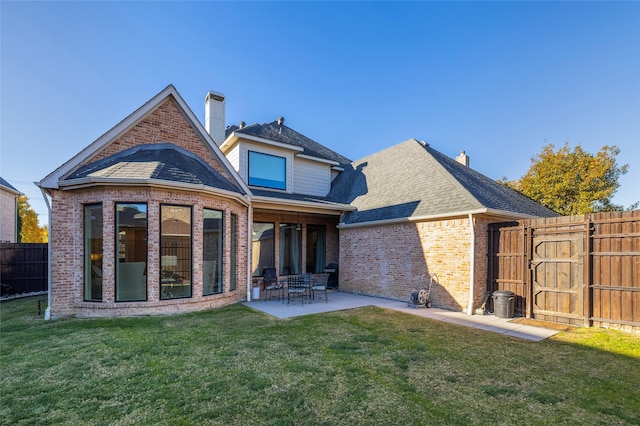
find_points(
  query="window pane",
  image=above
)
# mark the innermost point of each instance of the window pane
(131, 265)
(290, 246)
(233, 268)
(212, 252)
(267, 170)
(175, 252)
(262, 248)
(316, 243)
(93, 252)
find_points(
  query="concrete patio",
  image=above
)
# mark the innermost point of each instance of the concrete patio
(340, 301)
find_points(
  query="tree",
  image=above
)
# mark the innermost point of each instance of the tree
(28, 229)
(573, 182)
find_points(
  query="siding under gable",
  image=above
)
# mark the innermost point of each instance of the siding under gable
(234, 158)
(311, 177)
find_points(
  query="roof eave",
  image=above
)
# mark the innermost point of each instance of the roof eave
(318, 159)
(11, 190)
(86, 182)
(234, 137)
(272, 203)
(501, 215)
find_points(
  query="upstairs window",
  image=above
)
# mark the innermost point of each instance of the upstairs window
(267, 171)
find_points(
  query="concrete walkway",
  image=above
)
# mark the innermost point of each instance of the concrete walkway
(340, 301)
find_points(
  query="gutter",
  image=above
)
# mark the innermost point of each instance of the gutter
(310, 205)
(155, 183)
(235, 136)
(47, 312)
(505, 214)
(472, 265)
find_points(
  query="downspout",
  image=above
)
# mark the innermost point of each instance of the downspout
(47, 312)
(249, 247)
(472, 265)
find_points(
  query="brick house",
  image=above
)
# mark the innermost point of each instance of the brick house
(418, 211)
(162, 214)
(8, 212)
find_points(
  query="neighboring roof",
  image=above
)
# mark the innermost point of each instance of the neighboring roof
(413, 180)
(6, 185)
(284, 134)
(153, 162)
(62, 172)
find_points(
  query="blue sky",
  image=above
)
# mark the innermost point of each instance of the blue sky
(496, 79)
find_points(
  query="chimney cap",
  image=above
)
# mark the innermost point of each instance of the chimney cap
(280, 121)
(216, 96)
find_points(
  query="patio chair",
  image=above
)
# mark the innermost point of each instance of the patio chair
(271, 283)
(319, 286)
(296, 288)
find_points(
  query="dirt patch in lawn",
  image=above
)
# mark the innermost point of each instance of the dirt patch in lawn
(544, 324)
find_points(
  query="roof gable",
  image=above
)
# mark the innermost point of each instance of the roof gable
(285, 135)
(164, 118)
(412, 180)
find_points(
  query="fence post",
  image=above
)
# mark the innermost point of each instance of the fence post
(527, 272)
(587, 281)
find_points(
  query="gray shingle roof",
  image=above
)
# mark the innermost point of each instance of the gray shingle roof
(411, 179)
(283, 134)
(296, 197)
(164, 161)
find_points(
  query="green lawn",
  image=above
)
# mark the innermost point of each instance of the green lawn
(365, 366)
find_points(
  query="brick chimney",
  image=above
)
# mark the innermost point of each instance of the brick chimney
(214, 116)
(463, 159)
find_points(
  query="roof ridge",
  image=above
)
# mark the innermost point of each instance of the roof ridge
(447, 175)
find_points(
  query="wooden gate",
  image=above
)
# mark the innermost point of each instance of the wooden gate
(582, 270)
(557, 271)
(507, 266)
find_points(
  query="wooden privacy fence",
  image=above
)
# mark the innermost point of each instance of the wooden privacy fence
(582, 270)
(23, 268)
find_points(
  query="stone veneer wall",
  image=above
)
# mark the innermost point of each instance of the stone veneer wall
(67, 252)
(388, 261)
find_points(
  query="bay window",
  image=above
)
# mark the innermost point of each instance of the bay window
(212, 252)
(131, 253)
(175, 252)
(93, 252)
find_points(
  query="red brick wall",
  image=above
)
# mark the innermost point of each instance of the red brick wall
(389, 261)
(164, 125)
(67, 252)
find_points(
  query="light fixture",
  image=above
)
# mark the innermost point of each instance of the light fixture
(168, 261)
(298, 225)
